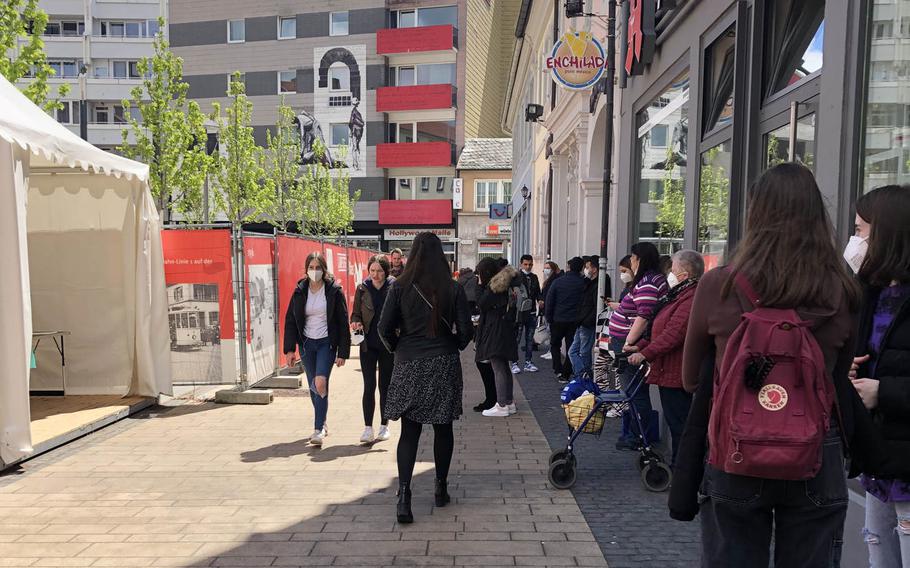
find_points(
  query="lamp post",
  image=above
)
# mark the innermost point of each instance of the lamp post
(83, 105)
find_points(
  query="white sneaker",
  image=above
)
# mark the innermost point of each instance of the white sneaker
(512, 409)
(516, 370)
(613, 412)
(384, 434)
(530, 367)
(497, 411)
(317, 437)
(367, 436)
(548, 356)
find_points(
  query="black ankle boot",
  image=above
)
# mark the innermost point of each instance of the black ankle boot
(404, 503)
(442, 493)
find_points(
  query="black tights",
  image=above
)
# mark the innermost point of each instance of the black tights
(489, 382)
(443, 447)
(369, 360)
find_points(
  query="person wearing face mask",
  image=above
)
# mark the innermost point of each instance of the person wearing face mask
(626, 276)
(880, 254)
(582, 352)
(528, 322)
(551, 272)
(662, 343)
(317, 324)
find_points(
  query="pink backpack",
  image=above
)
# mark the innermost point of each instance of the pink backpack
(772, 396)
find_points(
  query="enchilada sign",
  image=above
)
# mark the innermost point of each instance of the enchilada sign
(577, 61)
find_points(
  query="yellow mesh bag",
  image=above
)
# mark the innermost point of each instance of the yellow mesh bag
(578, 410)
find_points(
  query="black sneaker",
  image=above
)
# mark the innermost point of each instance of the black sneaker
(562, 379)
(483, 406)
(628, 445)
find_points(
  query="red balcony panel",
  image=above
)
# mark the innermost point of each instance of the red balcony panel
(414, 155)
(415, 212)
(407, 40)
(416, 97)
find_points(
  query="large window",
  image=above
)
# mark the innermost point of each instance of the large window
(432, 187)
(487, 192)
(714, 203)
(662, 167)
(406, 132)
(425, 74)
(793, 48)
(432, 16)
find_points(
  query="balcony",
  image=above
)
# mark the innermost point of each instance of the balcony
(415, 212)
(415, 155)
(416, 40)
(415, 97)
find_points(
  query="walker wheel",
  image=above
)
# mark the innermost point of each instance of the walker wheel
(563, 454)
(656, 476)
(648, 457)
(562, 474)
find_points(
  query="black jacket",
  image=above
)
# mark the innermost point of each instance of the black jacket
(404, 325)
(533, 284)
(892, 369)
(564, 298)
(337, 316)
(496, 331)
(587, 311)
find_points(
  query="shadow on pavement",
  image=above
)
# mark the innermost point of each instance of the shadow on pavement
(317, 454)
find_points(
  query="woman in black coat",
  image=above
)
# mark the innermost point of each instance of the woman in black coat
(497, 342)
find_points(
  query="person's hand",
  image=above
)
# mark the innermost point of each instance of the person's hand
(339, 362)
(629, 348)
(868, 391)
(539, 304)
(357, 326)
(636, 358)
(857, 361)
(614, 305)
(290, 358)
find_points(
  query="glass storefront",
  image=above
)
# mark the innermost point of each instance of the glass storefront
(714, 203)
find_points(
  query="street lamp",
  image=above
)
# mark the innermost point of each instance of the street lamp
(525, 192)
(83, 105)
(575, 8)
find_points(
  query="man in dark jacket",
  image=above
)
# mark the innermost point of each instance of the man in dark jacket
(561, 305)
(528, 319)
(582, 352)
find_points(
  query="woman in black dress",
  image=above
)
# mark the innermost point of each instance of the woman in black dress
(425, 323)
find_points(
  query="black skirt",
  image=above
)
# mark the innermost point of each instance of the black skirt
(427, 390)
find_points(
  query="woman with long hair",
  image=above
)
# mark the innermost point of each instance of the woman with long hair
(788, 259)
(425, 323)
(316, 324)
(882, 374)
(368, 302)
(496, 340)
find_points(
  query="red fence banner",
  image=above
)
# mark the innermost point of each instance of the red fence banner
(259, 260)
(292, 253)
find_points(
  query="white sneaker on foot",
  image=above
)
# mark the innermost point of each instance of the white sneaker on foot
(530, 367)
(512, 409)
(516, 370)
(384, 434)
(317, 437)
(548, 356)
(497, 411)
(367, 435)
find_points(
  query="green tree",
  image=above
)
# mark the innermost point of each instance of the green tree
(329, 204)
(22, 23)
(282, 167)
(242, 192)
(671, 212)
(171, 136)
(713, 200)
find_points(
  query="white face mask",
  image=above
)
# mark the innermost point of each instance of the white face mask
(626, 277)
(672, 280)
(547, 272)
(855, 252)
(526, 271)
(314, 275)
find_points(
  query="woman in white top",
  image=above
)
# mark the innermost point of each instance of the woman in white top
(317, 325)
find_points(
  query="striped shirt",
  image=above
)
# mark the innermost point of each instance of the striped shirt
(640, 301)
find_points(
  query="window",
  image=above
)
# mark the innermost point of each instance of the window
(63, 113)
(126, 69)
(102, 115)
(213, 319)
(441, 131)
(287, 28)
(339, 134)
(119, 115)
(236, 31)
(437, 16)
(661, 180)
(116, 29)
(338, 23)
(425, 184)
(339, 77)
(793, 51)
(151, 28)
(487, 192)
(52, 29)
(404, 19)
(342, 101)
(436, 74)
(77, 113)
(714, 203)
(403, 76)
(205, 292)
(883, 29)
(72, 29)
(405, 133)
(134, 29)
(287, 81)
(720, 59)
(178, 294)
(489, 249)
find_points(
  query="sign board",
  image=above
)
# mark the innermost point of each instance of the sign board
(457, 193)
(499, 211)
(499, 230)
(409, 234)
(577, 60)
(640, 36)
(467, 241)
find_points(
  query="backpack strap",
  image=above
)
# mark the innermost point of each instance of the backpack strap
(746, 288)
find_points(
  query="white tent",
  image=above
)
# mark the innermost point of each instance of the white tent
(80, 250)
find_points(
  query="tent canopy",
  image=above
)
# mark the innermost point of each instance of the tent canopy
(80, 248)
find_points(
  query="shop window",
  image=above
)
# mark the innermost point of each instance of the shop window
(794, 40)
(489, 249)
(720, 60)
(662, 170)
(714, 203)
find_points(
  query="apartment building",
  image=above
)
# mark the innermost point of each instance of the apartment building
(380, 82)
(104, 39)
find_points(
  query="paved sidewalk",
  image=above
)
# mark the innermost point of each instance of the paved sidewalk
(214, 485)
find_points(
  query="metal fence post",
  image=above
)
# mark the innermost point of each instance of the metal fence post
(241, 303)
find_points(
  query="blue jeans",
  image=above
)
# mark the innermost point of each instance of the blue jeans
(526, 329)
(318, 355)
(581, 354)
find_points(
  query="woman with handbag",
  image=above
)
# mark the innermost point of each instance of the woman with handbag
(368, 302)
(317, 324)
(496, 341)
(425, 323)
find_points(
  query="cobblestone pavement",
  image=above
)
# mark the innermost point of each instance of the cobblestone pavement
(217, 485)
(630, 523)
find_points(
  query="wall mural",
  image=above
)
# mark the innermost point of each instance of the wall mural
(310, 131)
(337, 97)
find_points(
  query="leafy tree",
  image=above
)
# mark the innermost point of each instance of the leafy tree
(713, 200)
(671, 212)
(22, 23)
(171, 136)
(242, 193)
(329, 205)
(282, 166)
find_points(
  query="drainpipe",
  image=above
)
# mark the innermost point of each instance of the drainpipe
(608, 151)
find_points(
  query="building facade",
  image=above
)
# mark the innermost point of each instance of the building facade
(485, 173)
(381, 82)
(107, 38)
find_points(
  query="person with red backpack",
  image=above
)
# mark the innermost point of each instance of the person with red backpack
(781, 320)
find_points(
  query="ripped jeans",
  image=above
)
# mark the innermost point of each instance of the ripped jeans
(318, 356)
(887, 533)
